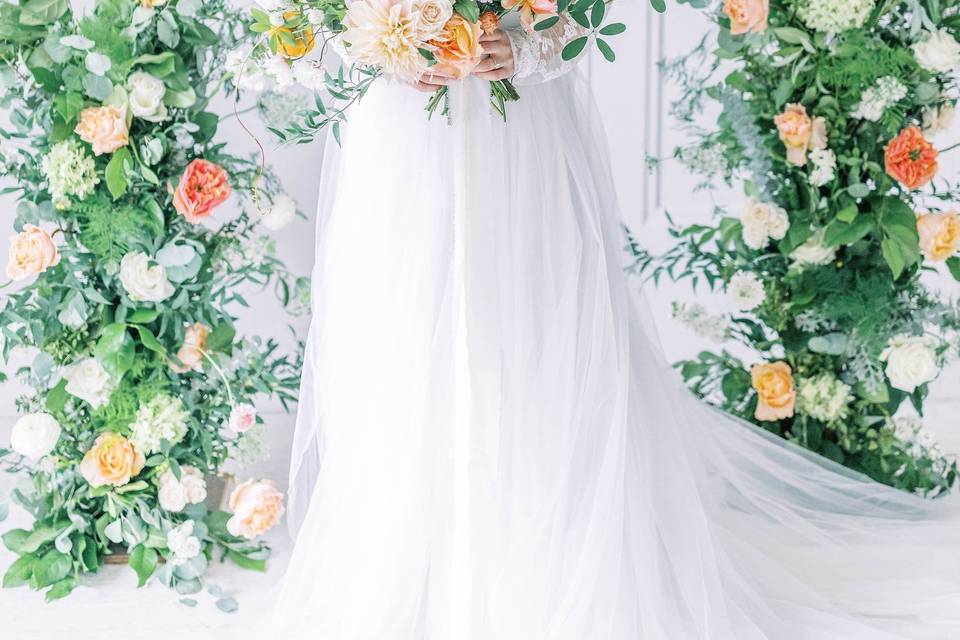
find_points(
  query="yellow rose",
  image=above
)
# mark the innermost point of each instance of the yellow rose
(191, 351)
(302, 41)
(111, 460)
(257, 506)
(939, 235)
(32, 251)
(746, 15)
(800, 133)
(105, 128)
(776, 394)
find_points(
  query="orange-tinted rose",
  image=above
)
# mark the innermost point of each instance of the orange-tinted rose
(939, 235)
(257, 506)
(458, 49)
(111, 460)
(532, 11)
(105, 128)
(776, 394)
(32, 251)
(746, 15)
(910, 159)
(192, 349)
(202, 187)
(800, 133)
(302, 41)
(489, 22)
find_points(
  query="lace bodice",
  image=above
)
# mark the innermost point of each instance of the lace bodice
(536, 55)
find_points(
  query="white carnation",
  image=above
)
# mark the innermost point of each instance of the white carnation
(713, 327)
(183, 545)
(281, 213)
(146, 97)
(174, 495)
(143, 281)
(911, 361)
(745, 291)
(824, 162)
(938, 51)
(35, 435)
(88, 380)
(877, 99)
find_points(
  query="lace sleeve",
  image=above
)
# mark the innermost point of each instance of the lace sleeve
(536, 55)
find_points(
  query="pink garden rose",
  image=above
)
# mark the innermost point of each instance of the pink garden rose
(242, 418)
(746, 16)
(32, 251)
(257, 507)
(105, 128)
(202, 187)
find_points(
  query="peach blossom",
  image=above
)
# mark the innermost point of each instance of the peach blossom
(32, 251)
(105, 128)
(202, 187)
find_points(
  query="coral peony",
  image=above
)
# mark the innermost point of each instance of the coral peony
(202, 187)
(910, 159)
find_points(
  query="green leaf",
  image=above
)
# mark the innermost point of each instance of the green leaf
(20, 572)
(22, 541)
(469, 9)
(143, 316)
(597, 13)
(546, 23)
(606, 50)
(613, 29)
(42, 12)
(157, 64)
(658, 5)
(61, 589)
(143, 560)
(221, 338)
(52, 567)
(116, 172)
(573, 48)
(841, 233)
(893, 256)
(953, 264)
(57, 397)
(848, 214)
(115, 350)
(148, 340)
(244, 562)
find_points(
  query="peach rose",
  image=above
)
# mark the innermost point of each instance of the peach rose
(489, 22)
(939, 235)
(910, 159)
(800, 133)
(32, 251)
(457, 49)
(257, 506)
(776, 394)
(191, 351)
(202, 187)
(111, 460)
(746, 15)
(532, 11)
(105, 128)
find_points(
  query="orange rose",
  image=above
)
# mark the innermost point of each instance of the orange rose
(746, 15)
(910, 159)
(302, 41)
(489, 22)
(532, 11)
(257, 506)
(32, 251)
(105, 128)
(202, 187)
(111, 460)
(191, 351)
(800, 133)
(776, 394)
(457, 49)
(939, 234)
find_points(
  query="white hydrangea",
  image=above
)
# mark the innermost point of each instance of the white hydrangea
(161, 418)
(183, 545)
(69, 172)
(835, 16)
(763, 221)
(308, 74)
(823, 397)
(745, 291)
(824, 163)
(246, 73)
(875, 100)
(713, 327)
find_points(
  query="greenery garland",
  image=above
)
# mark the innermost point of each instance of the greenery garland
(141, 388)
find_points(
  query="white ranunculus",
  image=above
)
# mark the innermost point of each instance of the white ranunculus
(814, 252)
(281, 213)
(88, 380)
(778, 223)
(911, 362)
(144, 282)
(183, 545)
(746, 291)
(146, 96)
(938, 51)
(171, 493)
(35, 435)
(755, 236)
(938, 119)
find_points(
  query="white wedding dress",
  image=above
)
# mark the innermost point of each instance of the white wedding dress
(490, 445)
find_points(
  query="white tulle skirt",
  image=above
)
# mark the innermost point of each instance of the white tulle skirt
(490, 445)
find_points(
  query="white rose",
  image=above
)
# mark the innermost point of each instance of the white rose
(814, 251)
(281, 213)
(938, 119)
(194, 484)
(88, 380)
(938, 52)
(755, 236)
(755, 213)
(144, 282)
(745, 291)
(35, 435)
(171, 494)
(911, 362)
(778, 223)
(433, 15)
(146, 96)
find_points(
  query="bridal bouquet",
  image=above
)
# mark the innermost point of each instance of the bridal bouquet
(140, 389)
(833, 116)
(398, 39)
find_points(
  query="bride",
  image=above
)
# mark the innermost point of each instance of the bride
(490, 445)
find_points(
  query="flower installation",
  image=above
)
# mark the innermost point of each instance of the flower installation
(831, 112)
(128, 253)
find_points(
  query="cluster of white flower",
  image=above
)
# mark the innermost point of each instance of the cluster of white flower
(183, 545)
(921, 443)
(35, 435)
(175, 494)
(161, 418)
(276, 71)
(763, 221)
(713, 327)
(937, 51)
(911, 361)
(835, 16)
(745, 291)
(708, 160)
(814, 252)
(247, 253)
(69, 172)
(824, 397)
(875, 100)
(824, 163)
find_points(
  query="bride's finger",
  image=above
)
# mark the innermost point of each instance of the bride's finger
(488, 64)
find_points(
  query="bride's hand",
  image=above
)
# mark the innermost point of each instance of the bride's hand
(498, 63)
(430, 81)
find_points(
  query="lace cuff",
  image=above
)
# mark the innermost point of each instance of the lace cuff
(536, 55)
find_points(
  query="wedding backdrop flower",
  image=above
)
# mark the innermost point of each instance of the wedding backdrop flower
(141, 389)
(829, 113)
